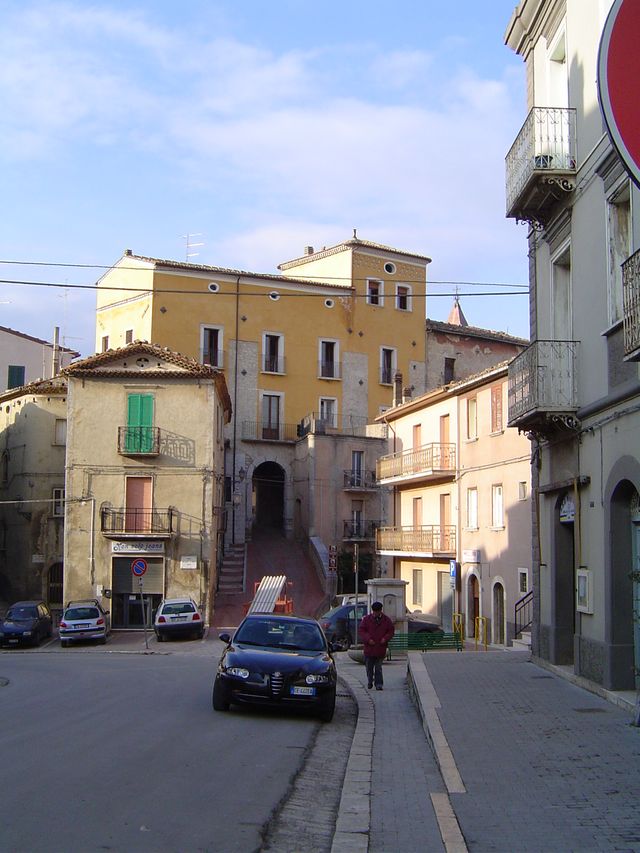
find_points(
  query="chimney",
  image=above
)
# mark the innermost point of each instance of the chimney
(55, 360)
(406, 394)
(397, 389)
(128, 252)
(308, 250)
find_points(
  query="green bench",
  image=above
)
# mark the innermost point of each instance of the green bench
(422, 642)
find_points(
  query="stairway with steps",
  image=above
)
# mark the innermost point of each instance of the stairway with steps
(232, 571)
(523, 642)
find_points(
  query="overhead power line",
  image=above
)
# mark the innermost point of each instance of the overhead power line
(221, 294)
(320, 278)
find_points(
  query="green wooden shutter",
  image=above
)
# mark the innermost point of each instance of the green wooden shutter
(139, 438)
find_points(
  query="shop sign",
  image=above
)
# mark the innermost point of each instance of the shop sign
(139, 547)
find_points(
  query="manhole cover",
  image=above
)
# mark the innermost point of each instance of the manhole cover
(591, 710)
(3, 681)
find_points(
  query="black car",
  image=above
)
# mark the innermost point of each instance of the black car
(339, 624)
(26, 622)
(276, 660)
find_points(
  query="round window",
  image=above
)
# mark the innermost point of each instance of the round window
(274, 295)
(214, 287)
(329, 303)
(389, 267)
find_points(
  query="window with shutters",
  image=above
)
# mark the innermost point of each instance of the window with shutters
(15, 376)
(139, 433)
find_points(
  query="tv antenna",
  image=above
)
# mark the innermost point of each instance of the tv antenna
(189, 245)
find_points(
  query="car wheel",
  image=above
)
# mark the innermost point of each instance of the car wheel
(327, 709)
(160, 638)
(103, 641)
(219, 700)
(200, 634)
(64, 644)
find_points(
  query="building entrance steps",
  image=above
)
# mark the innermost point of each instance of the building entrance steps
(270, 553)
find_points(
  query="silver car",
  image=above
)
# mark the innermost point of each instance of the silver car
(84, 620)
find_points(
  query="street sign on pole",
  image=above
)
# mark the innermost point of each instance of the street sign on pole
(138, 568)
(618, 73)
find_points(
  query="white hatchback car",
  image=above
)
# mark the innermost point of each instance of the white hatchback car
(178, 617)
(84, 620)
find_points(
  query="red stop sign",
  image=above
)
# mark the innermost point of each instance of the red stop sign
(618, 76)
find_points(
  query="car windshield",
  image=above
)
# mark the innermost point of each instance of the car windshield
(81, 613)
(19, 613)
(283, 634)
(178, 607)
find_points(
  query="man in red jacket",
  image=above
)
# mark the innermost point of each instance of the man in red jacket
(375, 631)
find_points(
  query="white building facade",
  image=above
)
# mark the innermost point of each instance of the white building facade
(575, 390)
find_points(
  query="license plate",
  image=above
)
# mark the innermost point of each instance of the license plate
(303, 691)
(14, 641)
(80, 627)
(179, 619)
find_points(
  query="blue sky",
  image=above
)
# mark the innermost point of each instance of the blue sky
(264, 127)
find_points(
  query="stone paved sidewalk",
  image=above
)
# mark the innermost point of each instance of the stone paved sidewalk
(547, 766)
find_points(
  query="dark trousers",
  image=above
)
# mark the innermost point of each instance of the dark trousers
(374, 670)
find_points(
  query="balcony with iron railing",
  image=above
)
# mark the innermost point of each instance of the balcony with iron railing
(329, 370)
(273, 364)
(214, 357)
(133, 523)
(543, 386)
(427, 540)
(429, 462)
(138, 441)
(631, 307)
(319, 423)
(359, 530)
(541, 164)
(259, 431)
(359, 481)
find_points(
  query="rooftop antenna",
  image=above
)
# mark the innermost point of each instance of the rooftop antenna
(189, 245)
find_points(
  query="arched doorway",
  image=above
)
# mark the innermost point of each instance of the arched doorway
(564, 582)
(473, 607)
(268, 495)
(624, 585)
(498, 621)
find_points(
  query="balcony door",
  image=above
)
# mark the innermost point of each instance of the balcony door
(357, 468)
(445, 521)
(139, 435)
(271, 416)
(139, 504)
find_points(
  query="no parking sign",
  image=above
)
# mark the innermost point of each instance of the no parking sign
(618, 75)
(138, 567)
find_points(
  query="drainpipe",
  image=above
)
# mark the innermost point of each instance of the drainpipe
(235, 419)
(393, 488)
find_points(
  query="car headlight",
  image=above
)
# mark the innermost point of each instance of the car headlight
(238, 671)
(317, 679)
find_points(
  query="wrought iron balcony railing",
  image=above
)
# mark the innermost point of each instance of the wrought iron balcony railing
(359, 479)
(541, 161)
(631, 303)
(427, 460)
(273, 364)
(386, 375)
(359, 529)
(543, 381)
(127, 521)
(317, 423)
(214, 357)
(138, 441)
(425, 539)
(258, 431)
(329, 370)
